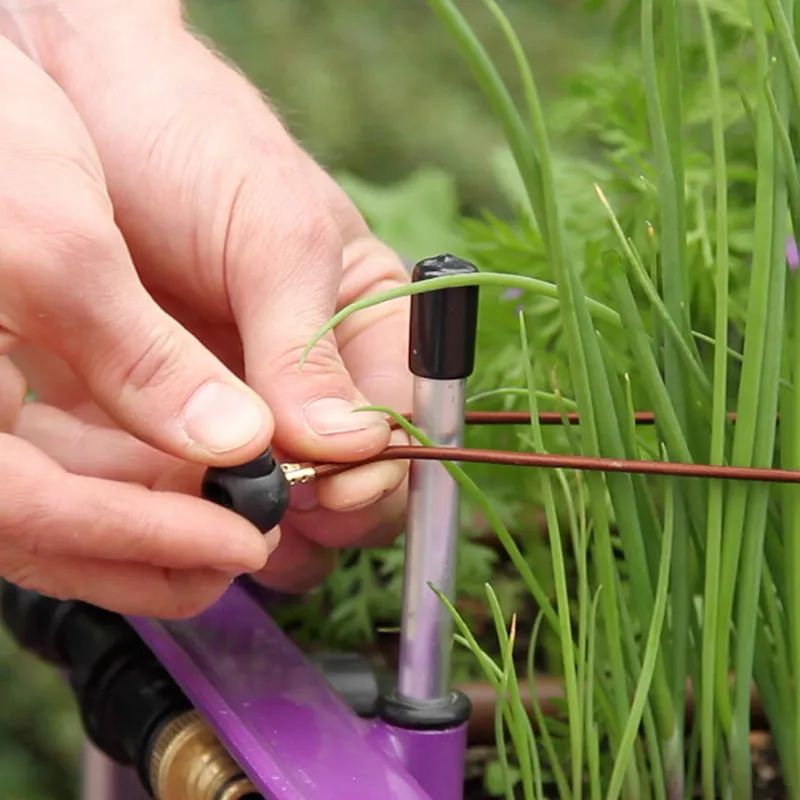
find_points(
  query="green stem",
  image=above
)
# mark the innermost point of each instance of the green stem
(771, 210)
(651, 651)
(719, 422)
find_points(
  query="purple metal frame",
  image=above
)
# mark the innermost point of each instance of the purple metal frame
(284, 724)
(279, 718)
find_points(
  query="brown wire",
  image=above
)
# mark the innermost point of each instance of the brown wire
(558, 461)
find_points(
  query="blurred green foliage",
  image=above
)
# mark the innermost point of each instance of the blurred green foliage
(375, 87)
(39, 729)
(376, 91)
(599, 127)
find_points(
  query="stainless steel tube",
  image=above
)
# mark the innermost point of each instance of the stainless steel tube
(430, 550)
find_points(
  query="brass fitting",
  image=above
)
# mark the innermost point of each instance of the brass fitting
(298, 473)
(190, 763)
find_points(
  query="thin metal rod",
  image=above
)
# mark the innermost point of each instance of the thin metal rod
(431, 538)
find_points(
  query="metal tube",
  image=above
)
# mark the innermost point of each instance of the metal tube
(430, 549)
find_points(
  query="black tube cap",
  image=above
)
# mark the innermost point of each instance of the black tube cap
(257, 490)
(444, 322)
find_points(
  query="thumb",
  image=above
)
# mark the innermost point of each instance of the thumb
(315, 408)
(150, 375)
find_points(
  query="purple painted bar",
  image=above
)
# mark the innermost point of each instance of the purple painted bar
(434, 758)
(278, 716)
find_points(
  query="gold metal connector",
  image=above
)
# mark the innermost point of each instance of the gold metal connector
(190, 763)
(298, 473)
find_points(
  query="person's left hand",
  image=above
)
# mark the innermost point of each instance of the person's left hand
(242, 238)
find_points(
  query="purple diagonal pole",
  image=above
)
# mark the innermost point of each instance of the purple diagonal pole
(292, 734)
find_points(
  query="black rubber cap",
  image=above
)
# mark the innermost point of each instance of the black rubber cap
(257, 490)
(425, 715)
(444, 322)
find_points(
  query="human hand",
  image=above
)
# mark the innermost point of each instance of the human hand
(247, 243)
(64, 270)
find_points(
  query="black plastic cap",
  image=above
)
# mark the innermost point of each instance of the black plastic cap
(35, 620)
(257, 490)
(444, 322)
(441, 714)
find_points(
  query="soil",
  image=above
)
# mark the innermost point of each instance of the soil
(767, 783)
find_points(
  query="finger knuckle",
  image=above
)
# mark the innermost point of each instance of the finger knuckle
(23, 570)
(76, 236)
(137, 524)
(43, 254)
(316, 232)
(154, 365)
(30, 526)
(322, 360)
(294, 226)
(25, 515)
(79, 237)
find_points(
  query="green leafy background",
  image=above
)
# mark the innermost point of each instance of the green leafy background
(376, 91)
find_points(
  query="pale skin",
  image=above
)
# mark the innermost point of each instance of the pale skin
(167, 250)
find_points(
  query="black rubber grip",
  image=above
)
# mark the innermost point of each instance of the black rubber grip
(444, 322)
(257, 490)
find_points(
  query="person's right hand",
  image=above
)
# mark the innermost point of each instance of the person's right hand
(67, 283)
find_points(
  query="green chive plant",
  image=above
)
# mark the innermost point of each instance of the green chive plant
(677, 581)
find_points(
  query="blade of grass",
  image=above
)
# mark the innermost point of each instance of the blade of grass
(500, 279)
(519, 716)
(759, 321)
(688, 354)
(651, 654)
(780, 16)
(787, 154)
(519, 392)
(666, 131)
(790, 455)
(771, 223)
(500, 741)
(577, 324)
(560, 578)
(592, 739)
(541, 722)
(500, 678)
(719, 421)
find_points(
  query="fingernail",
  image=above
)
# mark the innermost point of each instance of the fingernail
(360, 487)
(220, 418)
(331, 415)
(358, 505)
(272, 540)
(249, 563)
(303, 497)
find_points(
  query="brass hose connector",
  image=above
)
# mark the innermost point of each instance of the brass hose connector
(190, 763)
